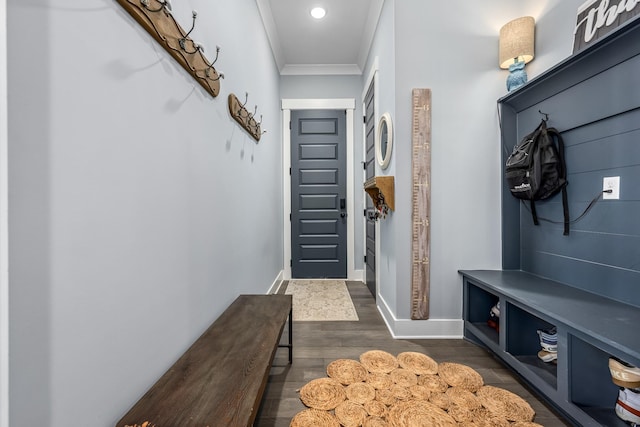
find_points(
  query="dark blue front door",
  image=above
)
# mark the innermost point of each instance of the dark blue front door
(318, 194)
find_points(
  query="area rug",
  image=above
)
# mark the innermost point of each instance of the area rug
(407, 390)
(321, 300)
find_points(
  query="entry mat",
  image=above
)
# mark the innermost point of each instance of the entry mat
(321, 300)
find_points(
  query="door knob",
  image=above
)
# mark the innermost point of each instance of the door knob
(343, 214)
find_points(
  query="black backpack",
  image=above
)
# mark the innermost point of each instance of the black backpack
(536, 170)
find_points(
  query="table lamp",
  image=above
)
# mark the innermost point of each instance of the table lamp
(517, 49)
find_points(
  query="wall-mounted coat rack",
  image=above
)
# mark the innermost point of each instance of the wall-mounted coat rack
(244, 118)
(156, 18)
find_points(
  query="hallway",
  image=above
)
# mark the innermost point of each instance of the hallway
(316, 344)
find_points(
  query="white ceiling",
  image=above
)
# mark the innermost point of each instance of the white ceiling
(337, 44)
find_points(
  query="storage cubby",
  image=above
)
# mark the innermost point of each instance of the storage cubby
(523, 342)
(591, 388)
(590, 328)
(478, 303)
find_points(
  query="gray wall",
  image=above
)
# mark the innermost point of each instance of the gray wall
(455, 55)
(139, 210)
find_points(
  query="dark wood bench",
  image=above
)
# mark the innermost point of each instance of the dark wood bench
(220, 379)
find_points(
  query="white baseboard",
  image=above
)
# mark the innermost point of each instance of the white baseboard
(273, 289)
(419, 329)
(357, 276)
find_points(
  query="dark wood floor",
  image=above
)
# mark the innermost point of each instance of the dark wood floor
(316, 344)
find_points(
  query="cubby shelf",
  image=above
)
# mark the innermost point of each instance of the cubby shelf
(580, 384)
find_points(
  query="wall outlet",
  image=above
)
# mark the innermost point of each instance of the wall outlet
(611, 183)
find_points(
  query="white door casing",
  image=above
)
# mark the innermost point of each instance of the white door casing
(347, 104)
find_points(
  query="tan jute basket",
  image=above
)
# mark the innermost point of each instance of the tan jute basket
(322, 393)
(347, 371)
(314, 418)
(415, 413)
(526, 424)
(351, 414)
(418, 363)
(378, 361)
(505, 404)
(360, 392)
(458, 375)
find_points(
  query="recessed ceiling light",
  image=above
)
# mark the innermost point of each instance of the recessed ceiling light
(318, 12)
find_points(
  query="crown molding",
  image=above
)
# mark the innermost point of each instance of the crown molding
(320, 69)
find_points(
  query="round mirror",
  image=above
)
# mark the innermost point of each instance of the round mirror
(384, 140)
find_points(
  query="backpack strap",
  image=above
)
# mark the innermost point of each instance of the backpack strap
(563, 174)
(542, 127)
(534, 214)
(565, 208)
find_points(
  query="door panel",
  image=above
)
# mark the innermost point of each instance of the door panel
(370, 169)
(318, 191)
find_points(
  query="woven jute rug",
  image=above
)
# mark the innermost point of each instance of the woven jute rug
(407, 390)
(321, 300)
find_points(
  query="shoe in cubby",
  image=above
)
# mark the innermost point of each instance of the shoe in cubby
(628, 406)
(494, 317)
(548, 356)
(624, 374)
(549, 343)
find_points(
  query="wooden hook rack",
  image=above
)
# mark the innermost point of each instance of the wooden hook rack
(157, 20)
(244, 118)
(381, 191)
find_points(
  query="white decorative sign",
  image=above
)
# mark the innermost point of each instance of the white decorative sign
(596, 18)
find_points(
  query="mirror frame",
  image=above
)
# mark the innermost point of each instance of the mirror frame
(384, 158)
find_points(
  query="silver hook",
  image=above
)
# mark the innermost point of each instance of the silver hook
(210, 67)
(246, 98)
(183, 40)
(217, 53)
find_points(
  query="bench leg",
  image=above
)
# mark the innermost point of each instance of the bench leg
(291, 336)
(290, 345)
